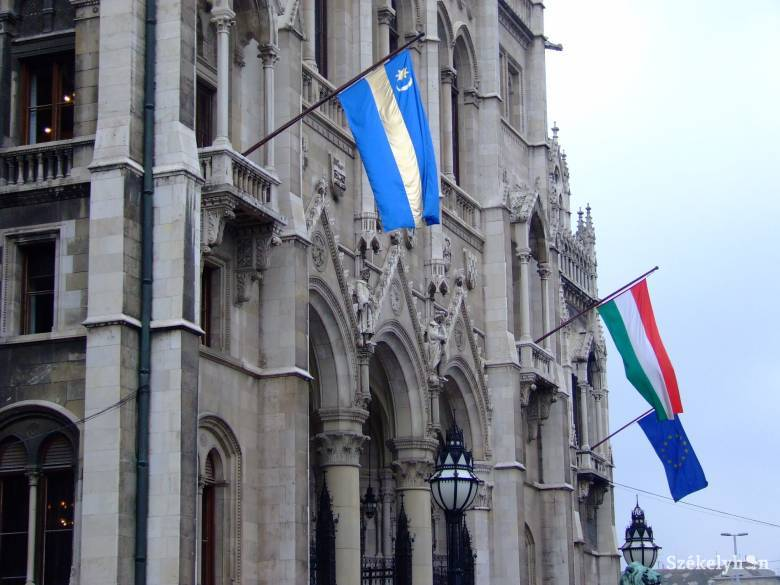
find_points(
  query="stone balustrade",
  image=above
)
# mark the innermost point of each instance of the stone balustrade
(316, 87)
(522, 8)
(224, 166)
(460, 204)
(45, 165)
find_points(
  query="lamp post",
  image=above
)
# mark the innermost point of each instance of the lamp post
(640, 546)
(454, 487)
(735, 535)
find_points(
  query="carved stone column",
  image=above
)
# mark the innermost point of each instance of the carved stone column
(223, 18)
(584, 390)
(307, 8)
(413, 466)
(269, 55)
(32, 525)
(198, 529)
(385, 16)
(445, 117)
(600, 430)
(524, 256)
(364, 354)
(544, 274)
(387, 497)
(340, 445)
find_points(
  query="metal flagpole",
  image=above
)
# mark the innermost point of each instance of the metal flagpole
(625, 426)
(596, 304)
(337, 91)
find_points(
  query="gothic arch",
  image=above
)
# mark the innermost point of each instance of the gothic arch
(464, 46)
(446, 35)
(474, 404)
(216, 436)
(330, 343)
(255, 19)
(406, 380)
(49, 419)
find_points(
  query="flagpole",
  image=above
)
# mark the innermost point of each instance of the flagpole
(596, 304)
(337, 91)
(625, 426)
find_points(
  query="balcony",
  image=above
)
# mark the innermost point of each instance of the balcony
(593, 468)
(238, 183)
(315, 87)
(461, 213)
(57, 165)
(537, 363)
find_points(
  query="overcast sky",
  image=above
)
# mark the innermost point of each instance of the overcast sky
(669, 111)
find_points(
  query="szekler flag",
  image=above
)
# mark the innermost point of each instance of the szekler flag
(683, 470)
(387, 118)
(630, 320)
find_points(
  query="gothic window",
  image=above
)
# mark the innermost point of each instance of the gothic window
(38, 287)
(321, 36)
(511, 82)
(394, 27)
(212, 307)
(207, 303)
(219, 522)
(204, 113)
(530, 555)
(48, 97)
(37, 491)
(208, 536)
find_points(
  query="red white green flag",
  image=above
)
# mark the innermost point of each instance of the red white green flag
(630, 320)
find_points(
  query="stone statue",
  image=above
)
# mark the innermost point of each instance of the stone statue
(436, 337)
(363, 304)
(636, 574)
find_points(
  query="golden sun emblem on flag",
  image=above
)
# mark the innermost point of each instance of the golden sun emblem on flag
(682, 453)
(400, 76)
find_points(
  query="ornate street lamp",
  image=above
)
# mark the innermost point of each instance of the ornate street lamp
(454, 487)
(640, 546)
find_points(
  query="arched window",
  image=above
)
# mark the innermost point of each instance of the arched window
(37, 500)
(219, 495)
(530, 555)
(206, 76)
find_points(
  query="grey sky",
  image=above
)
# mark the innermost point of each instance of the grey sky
(670, 114)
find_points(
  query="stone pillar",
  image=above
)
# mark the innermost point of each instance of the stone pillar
(387, 497)
(585, 439)
(32, 525)
(544, 275)
(524, 255)
(445, 117)
(340, 446)
(198, 528)
(223, 18)
(600, 427)
(307, 13)
(270, 55)
(413, 467)
(384, 16)
(480, 515)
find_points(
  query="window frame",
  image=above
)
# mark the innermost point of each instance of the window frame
(12, 285)
(320, 40)
(50, 425)
(54, 63)
(512, 105)
(27, 294)
(217, 330)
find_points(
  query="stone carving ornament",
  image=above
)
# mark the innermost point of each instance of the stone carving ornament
(435, 338)
(319, 254)
(396, 298)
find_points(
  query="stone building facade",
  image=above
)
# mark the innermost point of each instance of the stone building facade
(294, 344)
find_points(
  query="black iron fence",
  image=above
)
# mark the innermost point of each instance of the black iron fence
(377, 571)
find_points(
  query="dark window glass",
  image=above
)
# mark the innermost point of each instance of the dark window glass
(394, 28)
(206, 303)
(56, 547)
(13, 529)
(208, 536)
(49, 97)
(38, 288)
(321, 36)
(204, 115)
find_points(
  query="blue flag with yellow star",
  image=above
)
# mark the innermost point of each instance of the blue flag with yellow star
(683, 471)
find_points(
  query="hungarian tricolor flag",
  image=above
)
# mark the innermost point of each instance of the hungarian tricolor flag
(630, 320)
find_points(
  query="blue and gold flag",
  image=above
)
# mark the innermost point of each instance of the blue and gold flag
(387, 118)
(683, 471)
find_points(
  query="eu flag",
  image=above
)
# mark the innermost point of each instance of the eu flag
(385, 112)
(683, 471)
